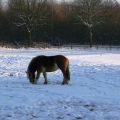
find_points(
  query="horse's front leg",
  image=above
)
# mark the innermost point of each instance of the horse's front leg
(38, 75)
(45, 77)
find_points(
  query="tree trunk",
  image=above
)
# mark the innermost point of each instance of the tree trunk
(30, 38)
(90, 37)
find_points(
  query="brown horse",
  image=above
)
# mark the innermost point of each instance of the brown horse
(43, 64)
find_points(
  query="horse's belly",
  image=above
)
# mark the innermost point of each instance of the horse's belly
(52, 68)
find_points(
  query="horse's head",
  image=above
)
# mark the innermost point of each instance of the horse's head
(31, 77)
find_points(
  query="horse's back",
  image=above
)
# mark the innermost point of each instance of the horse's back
(56, 61)
(49, 61)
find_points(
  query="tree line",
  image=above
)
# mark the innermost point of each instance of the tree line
(37, 22)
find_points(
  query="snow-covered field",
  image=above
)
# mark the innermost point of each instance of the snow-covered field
(92, 94)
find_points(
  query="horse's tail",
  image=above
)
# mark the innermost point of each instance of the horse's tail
(68, 72)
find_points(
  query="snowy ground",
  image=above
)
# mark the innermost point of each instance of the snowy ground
(92, 94)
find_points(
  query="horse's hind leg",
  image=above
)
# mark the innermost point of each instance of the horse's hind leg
(66, 75)
(65, 80)
(45, 77)
(64, 67)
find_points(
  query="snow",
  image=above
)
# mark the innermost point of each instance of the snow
(92, 94)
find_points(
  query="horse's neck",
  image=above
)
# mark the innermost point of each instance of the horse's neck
(31, 69)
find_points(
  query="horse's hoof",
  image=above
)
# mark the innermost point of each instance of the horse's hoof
(35, 83)
(45, 83)
(63, 83)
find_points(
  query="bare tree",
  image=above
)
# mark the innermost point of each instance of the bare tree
(88, 15)
(29, 14)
